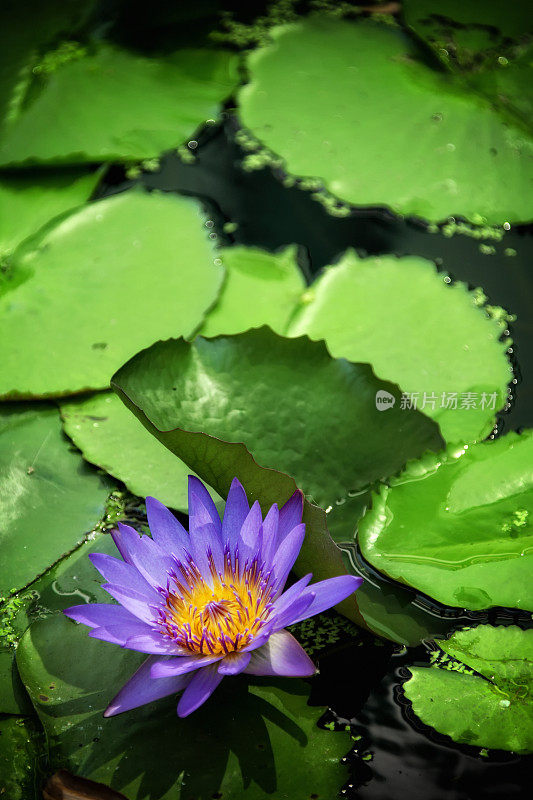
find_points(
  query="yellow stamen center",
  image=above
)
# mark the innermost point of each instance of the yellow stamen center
(221, 616)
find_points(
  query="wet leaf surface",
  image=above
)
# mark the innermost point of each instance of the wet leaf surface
(261, 288)
(27, 203)
(109, 435)
(434, 340)
(49, 497)
(457, 526)
(145, 104)
(451, 153)
(77, 312)
(493, 709)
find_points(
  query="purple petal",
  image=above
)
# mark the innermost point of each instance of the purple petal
(121, 633)
(202, 509)
(290, 515)
(250, 539)
(141, 689)
(328, 593)
(202, 685)
(138, 603)
(119, 573)
(292, 612)
(164, 668)
(106, 635)
(151, 641)
(236, 511)
(286, 555)
(288, 597)
(166, 531)
(281, 655)
(257, 641)
(270, 534)
(142, 642)
(123, 540)
(205, 540)
(96, 615)
(144, 554)
(114, 570)
(234, 663)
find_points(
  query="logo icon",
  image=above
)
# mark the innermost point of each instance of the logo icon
(384, 400)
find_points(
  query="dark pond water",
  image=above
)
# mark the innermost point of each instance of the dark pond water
(396, 755)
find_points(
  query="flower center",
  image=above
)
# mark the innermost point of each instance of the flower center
(221, 615)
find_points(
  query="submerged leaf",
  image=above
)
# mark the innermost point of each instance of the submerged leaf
(465, 35)
(493, 709)
(457, 525)
(20, 754)
(487, 45)
(27, 28)
(378, 127)
(91, 291)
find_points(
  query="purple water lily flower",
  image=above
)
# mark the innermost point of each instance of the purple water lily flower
(207, 603)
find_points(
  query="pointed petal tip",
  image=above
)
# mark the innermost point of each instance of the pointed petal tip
(72, 612)
(236, 482)
(154, 502)
(194, 482)
(125, 529)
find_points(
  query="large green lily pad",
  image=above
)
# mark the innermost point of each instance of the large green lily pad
(145, 104)
(493, 709)
(248, 406)
(49, 499)
(377, 126)
(109, 435)
(26, 204)
(431, 338)
(457, 525)
(261, 737)
(105, 282)
(260, 289)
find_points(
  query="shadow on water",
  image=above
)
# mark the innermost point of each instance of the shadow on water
(395, 755)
